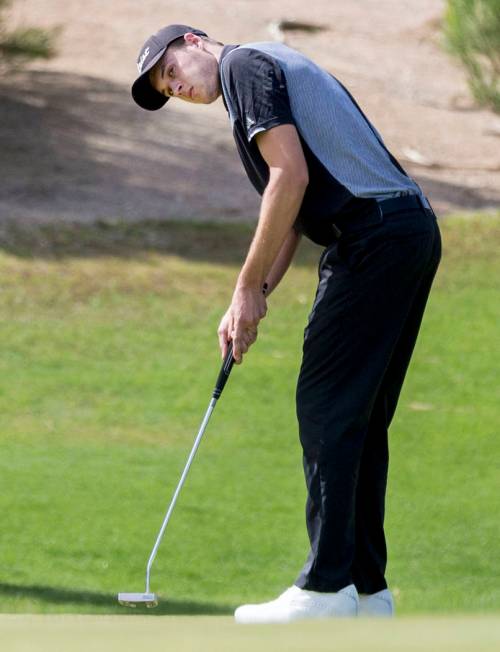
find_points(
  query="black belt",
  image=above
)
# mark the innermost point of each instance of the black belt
(381, 209)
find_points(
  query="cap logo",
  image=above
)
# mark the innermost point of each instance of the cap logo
(142, 59)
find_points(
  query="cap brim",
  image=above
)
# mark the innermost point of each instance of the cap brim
(144, 94)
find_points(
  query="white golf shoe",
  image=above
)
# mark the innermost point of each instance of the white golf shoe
(299, 604)
(379, 604)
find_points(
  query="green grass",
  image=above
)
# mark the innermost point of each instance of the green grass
(21, 633)
(108, 360)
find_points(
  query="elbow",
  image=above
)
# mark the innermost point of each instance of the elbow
(301, 179)
(295, 180)
(299, 176)
(298, 184)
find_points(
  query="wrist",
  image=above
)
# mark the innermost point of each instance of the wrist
(245, 283)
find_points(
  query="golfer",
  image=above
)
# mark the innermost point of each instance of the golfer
(323, 172)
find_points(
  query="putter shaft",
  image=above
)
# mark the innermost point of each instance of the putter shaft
(197, 441)
(225, 370)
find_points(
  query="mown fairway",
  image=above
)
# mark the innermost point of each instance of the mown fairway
(108, 360)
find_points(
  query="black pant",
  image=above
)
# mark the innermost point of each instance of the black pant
(373, 287)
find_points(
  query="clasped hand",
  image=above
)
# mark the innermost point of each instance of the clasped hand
(239, 324)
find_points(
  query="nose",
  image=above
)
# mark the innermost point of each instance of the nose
(176, 88)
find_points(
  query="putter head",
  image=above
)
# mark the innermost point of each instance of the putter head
(134, 599)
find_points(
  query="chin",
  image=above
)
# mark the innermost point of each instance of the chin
(213, 96)
(204, 99)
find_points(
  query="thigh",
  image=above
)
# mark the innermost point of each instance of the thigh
(400, 359)
(368, 282)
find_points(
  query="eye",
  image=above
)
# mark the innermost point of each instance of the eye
(171, 72)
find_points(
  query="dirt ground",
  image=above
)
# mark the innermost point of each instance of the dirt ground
(75, 147)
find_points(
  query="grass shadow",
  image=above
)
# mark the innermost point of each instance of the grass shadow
(98, 602)
(224, 243)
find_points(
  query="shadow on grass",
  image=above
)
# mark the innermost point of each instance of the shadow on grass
(106, 602)
(224, 243)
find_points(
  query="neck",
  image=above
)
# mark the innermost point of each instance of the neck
(215, 49)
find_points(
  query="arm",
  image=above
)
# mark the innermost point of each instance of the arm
(288, 178)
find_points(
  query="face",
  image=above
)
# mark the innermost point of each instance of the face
(190, 73)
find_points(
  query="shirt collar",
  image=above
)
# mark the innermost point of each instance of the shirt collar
(225, 51)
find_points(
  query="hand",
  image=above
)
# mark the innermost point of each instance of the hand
(240, 322)
(224, 332)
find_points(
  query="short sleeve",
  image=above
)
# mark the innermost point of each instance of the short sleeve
(256, 85)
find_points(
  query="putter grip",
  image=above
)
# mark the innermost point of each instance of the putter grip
(227, 365)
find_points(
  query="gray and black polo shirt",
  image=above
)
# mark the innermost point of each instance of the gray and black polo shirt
(269, 84)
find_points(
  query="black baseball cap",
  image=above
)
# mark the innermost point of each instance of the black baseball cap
(151, 52)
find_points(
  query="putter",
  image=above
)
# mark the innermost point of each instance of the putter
(147, 598)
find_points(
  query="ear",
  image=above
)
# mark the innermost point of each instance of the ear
(193, 39)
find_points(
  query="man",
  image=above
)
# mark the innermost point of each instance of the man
(323, 171)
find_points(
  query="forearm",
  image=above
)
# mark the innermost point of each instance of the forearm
(280, 205)
(282, 261)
